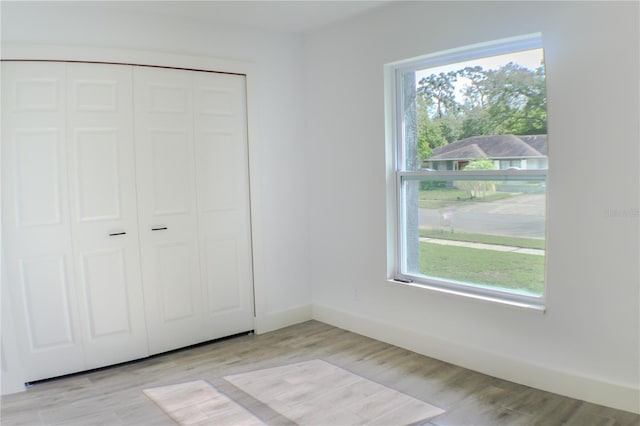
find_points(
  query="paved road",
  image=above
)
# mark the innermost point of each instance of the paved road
(518, 216)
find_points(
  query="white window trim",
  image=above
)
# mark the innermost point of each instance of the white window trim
(395, 173)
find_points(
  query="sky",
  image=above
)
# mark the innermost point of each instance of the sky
(528, 58)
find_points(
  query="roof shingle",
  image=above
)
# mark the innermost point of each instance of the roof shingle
(493, 146)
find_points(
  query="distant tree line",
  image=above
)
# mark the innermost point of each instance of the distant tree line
(509, 100)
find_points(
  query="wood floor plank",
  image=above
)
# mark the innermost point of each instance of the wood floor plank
(115, 396)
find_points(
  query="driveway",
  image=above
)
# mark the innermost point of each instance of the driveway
(517, 216)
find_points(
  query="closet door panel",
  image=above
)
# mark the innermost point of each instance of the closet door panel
(37, 163)
(36, 222)
(106, 295)
(171, 160)
(223, 285)
(173, 266)
(97, 174)
(104, 212)
(165, 159)
(223, 202)
(44, 288)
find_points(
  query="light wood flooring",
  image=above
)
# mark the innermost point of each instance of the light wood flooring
(114, 396)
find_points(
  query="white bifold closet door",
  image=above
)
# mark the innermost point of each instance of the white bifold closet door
(125, 211)
(193, 200)
(104, 213)
(68, 175)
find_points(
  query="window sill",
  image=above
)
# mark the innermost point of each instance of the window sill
(536, 307)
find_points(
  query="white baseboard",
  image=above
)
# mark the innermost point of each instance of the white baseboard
(11, 384)
(540, 377)
(276, 320)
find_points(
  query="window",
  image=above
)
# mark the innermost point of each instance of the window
(468, 171)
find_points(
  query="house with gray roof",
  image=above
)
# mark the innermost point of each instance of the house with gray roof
(506, 151)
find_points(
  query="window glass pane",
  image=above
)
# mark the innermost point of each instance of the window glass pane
(488, 231)
(497, 95)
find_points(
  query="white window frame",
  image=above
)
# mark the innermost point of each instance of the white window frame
(396, 174)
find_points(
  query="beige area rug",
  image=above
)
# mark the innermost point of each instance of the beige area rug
(198, 403)
(318, 393)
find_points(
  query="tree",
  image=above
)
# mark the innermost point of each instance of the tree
(479, 164)
(439, 92)
(449, 128)
(478, 188)
(475, 94)
(476, 122)
(429, 132)
(514, 98)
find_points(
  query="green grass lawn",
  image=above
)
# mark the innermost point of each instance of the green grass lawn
(515, 271)
(484, 238)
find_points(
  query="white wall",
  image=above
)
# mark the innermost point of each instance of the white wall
(587, 345)
(279, 190)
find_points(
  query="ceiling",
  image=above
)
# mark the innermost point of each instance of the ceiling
(283, 16)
